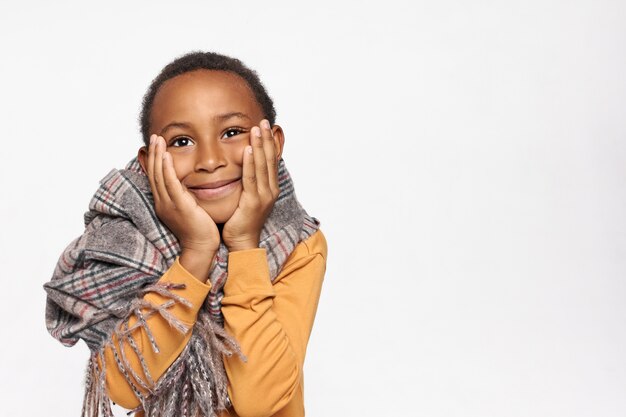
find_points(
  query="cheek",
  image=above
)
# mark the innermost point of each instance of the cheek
(235, 152)
(182, 166)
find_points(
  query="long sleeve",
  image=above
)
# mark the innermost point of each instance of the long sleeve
(169, 340)
(272, 323)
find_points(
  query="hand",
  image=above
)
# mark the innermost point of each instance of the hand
(176, 206)
(260, 191)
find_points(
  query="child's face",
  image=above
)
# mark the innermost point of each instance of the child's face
(205, 118)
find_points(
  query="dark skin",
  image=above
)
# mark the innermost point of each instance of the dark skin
(209, 127)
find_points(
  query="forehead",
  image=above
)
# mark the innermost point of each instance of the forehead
(204, 91)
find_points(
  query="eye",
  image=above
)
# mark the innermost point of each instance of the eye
(183, 140)
(233, 131)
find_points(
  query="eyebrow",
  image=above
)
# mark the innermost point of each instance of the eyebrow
(226, 116)
(219, 118)
(172, 125)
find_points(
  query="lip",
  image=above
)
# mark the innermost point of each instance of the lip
(216, 189)
(214, 184)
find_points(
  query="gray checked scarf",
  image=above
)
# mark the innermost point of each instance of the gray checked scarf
(101, 277)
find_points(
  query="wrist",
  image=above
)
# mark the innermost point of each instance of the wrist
(197, 262)
(242, 246)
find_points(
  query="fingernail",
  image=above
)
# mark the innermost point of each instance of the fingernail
(265, 123)
(256, 131)
(152, 139)
(249, 149)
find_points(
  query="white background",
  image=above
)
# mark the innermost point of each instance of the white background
(466, 160)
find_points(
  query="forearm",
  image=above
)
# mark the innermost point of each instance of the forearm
(272, 323)
(269, 377)
(169, 340)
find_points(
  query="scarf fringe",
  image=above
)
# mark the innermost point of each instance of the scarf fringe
(199, 380)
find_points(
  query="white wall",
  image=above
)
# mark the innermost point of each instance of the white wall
(466, 160)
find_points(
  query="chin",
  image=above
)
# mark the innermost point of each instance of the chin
(219, 219)
(219, 214)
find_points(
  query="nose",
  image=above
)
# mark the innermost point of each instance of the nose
(209, 157)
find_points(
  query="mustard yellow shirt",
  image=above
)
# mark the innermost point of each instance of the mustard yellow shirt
(272, 322)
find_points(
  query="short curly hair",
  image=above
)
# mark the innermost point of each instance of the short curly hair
(197, 60)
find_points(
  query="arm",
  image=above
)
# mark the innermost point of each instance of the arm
(272, 324)
(169, 340)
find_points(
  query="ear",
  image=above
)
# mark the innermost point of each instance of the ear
(279, 140)
(142, 156)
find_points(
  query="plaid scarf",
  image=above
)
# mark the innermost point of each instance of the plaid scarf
(101, 277)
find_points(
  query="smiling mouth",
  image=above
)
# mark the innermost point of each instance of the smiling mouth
(217, 192)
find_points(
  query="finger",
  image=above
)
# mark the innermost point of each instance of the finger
(260, 164)
(151, 152)
(270, 159)
(158, 171)
(172, 184)
(249, 176)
